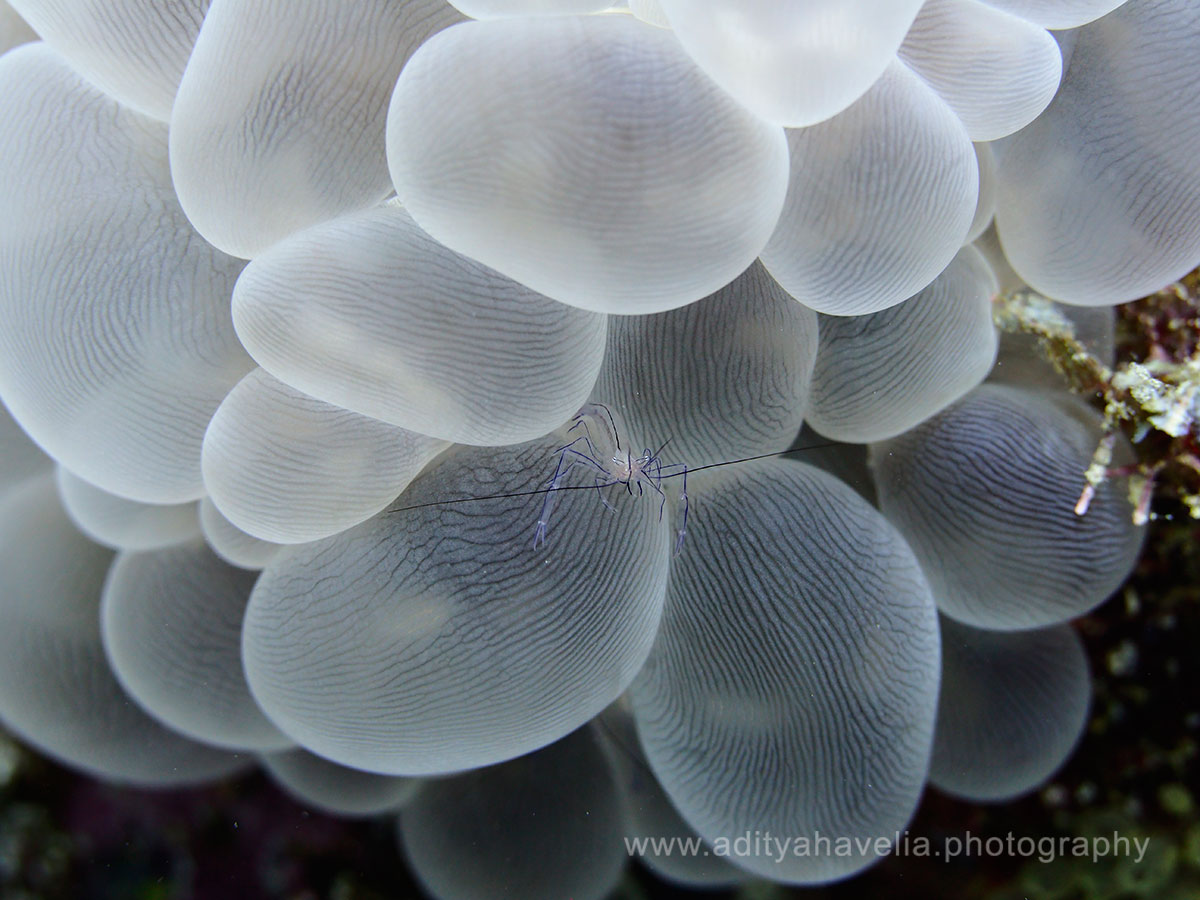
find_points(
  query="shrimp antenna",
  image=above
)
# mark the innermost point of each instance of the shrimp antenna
(733, 462)
(611, 421)
(590, 487)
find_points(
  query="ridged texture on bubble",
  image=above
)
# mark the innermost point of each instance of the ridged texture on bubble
(437, 638)
(793, 684)
(723, 378)
(491, 9)
(172, 623)
(335, 789)
(371, 314)
(880, 374)
(279, 123)
(792, 63)
(652, 817)
(995, 70)
(469, 837)
(586, 157)
(124, 524)
(287, 468)
(13, 29)
(57, 691)
(1058, 13)
(231, 543)
(117, 343)
(985, 492)
(1012, 707)
(20, 457)
(1099, 199)
(881, 198)
(132, 50)
(985, 206)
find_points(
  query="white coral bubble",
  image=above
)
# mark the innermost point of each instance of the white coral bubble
(172, 622)
(124, 524)
(881, 198)
(723, 378)
(231, 543)
(369, 313)
(56, 688)
(985, 207)
(434, 637)
(793, 682)
(117, 343)
(1099, 199)
(288, 468)
(279, 121)
(1058, 14)
(880, 374)
(586, 157)
(133, 50)
(995, 70)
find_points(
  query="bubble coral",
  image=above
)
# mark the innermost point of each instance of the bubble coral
(485, 440)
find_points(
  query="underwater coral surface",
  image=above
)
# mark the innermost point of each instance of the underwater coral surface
(569, 436)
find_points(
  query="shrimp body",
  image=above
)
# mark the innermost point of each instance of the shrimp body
(641, 474)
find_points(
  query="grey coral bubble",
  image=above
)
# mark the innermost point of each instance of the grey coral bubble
(880, 374)
(653, 820)
(997, 71)
(231, 543)
(880, 199)
(434, 637)
(369, 313)
(1099, 199)
(279, 122)
(1013, 706)
(124, 524)
(586, 157)
(793, 683)
(469, 837)
(172, 623)
(132, 50)
(57, 691)
(337, 790)
(986, 493)
(723, 378)
(117, 343)
(287, 468)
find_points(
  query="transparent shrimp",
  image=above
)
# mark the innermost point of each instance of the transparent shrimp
(642, 473)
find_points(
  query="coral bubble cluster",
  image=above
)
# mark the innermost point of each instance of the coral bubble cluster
(407, 397)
